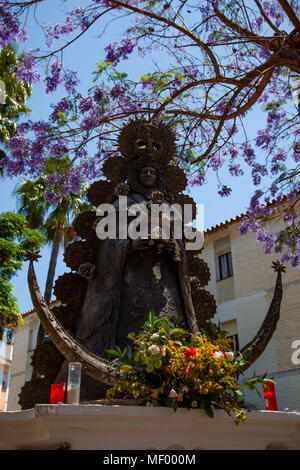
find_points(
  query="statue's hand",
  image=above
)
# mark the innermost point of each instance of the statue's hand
(139, 244)
(172, 248)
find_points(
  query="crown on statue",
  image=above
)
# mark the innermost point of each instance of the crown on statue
(140, 137)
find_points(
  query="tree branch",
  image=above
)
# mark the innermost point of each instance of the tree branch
(289, 11)
(175, 26)
(267, 19)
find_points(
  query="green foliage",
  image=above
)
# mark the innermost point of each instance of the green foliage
(15, 239)
(16, 94)
(39, 212)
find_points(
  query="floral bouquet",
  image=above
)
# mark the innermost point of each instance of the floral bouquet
(169, 366)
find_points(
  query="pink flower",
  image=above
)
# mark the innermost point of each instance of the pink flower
(190, 354)
(163, 352)
(187, 371)
(179, 397)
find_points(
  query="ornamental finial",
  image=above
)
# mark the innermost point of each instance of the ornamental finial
(278, 267)
(32, 255)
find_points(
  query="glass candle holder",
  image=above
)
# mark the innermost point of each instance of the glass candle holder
(74, 379)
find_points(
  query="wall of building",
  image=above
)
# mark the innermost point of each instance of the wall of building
(5, 366)
(24, 345)
(245, 297)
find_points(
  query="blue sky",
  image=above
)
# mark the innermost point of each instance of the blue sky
(82, 56)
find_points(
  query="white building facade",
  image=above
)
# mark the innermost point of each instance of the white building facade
(243, 282)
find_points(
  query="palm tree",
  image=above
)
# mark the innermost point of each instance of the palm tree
(52, 220)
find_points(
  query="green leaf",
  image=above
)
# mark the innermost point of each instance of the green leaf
(209, 411)
(112, 353)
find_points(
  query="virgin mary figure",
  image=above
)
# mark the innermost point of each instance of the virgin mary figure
(134, 276)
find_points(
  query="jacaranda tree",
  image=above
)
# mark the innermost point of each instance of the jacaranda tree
(225, 60)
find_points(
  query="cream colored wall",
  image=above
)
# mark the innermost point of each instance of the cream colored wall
(19, 360)
(247, 300)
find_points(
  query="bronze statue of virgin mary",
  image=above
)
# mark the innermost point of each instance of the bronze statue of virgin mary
(132, 277)
(115, 282)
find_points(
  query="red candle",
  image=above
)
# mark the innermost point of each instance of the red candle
(57, 393)
(270, 396)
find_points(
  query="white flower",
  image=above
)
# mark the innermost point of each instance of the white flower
(218, 354)
(173, 394)
(154, 336)
(154, 349)
(229, 356)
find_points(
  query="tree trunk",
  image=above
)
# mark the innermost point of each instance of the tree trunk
(51, 271)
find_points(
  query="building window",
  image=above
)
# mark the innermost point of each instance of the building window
(5, 380)
(31, 340)
(225, 265)
(235, 345)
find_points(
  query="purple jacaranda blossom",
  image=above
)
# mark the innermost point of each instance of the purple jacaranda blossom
(26, 71)
(64, 29)
(264, 53)
(217, 161)
(10, 30)
(40, 127)
(73, 182)
(116, 52)
(18, 146)
(233, 152)
(257, 172)
(273, 189)
(24, 127)
(37, 147)
(235, 170)
(263, 139)
(243, 229)
(296, 152)
(90, 121)
(271, 8)
(53, 179)
(71, 81)
(98, 95)
(55, 78)
(59, 148)
(15, 167)
(61, 107)
(224, 191)
(51, 197)
(198, 180)
(117, 91)
(291, 196)
(85, 104)
(254, 202)
(249, 155)
(275, 169)
(280, 156)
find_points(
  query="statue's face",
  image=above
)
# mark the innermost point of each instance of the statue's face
(148, 176)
